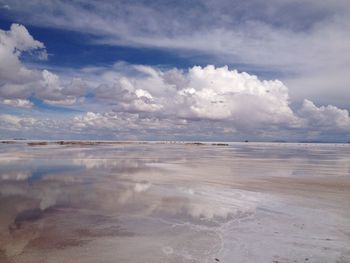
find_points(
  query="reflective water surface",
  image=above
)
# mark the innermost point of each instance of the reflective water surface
(244, 202)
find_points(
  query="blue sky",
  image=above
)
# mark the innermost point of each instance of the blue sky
(205, 70)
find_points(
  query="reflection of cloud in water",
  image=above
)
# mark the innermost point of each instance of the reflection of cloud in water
(223, 204)
(95, 192)
(141, 187)
(205, 204)
(17, 176)
(110, 164)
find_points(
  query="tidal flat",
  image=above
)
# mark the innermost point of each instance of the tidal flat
(158, 202)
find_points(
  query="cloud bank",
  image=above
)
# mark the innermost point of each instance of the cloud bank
(143, 102)
(305, 42)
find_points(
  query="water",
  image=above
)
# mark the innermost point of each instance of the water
(246, 202)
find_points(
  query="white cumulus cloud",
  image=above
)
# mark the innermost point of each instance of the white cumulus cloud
(325, 117)
(140, 100)
(201, 93)
(18, 81)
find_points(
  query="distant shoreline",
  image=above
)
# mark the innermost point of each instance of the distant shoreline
(112, 142)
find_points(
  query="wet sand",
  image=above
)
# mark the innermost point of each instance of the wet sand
(157, 202)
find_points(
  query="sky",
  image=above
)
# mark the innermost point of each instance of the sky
(223, 70)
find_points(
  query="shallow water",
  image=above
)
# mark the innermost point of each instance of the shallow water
(246, 202)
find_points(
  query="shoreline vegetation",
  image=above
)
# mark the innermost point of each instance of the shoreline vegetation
(87, 142)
